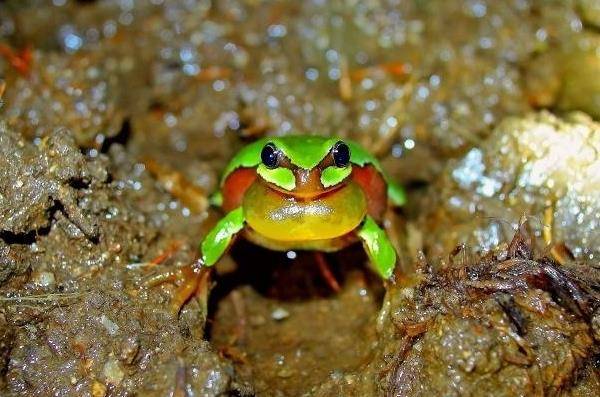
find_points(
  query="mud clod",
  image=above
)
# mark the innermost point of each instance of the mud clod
(39, 180)
(505, 316)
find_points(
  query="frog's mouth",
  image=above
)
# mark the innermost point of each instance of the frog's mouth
(306, 195)
(297, 217)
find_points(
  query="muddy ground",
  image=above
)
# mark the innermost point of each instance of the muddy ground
(118, 116)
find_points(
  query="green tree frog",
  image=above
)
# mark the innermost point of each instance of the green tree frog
(305, 192)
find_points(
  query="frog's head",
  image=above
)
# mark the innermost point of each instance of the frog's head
(304, 188)
(305, 167)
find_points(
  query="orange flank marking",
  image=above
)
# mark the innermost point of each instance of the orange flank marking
(235, 186)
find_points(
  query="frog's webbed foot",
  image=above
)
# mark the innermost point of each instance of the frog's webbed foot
(191, 280)
(194, 280)
(378, 247)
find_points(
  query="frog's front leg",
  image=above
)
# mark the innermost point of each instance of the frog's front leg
(378, 247)
(219, 238)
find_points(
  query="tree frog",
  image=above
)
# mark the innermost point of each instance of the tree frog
(305, 192)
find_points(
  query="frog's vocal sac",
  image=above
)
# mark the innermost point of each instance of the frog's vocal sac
(305, 192)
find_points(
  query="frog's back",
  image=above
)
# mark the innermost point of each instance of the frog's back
(246, 157)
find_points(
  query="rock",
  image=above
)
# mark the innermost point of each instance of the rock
(541, 166)
(113, 372)
(279, 314)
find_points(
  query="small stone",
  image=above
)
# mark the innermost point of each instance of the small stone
(110, 326)
(257, 321)
(113, 372)
(285, 373)
(279, 314)
(336, 375)
(43, 279)
(129, 349)
(98, 389)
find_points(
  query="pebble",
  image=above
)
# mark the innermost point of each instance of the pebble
(109, 325)
(279, 314)
(44, 279)
(113, 372)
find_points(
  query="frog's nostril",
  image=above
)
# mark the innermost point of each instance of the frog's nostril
(304, 177)
(308, 183)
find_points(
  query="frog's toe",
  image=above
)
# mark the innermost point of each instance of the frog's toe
(195, 283)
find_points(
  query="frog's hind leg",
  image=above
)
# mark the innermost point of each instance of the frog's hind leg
(378, 246)
(326, 272)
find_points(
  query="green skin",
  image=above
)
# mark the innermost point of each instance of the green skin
(305, 152)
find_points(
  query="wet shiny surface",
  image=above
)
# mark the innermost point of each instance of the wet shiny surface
(285, 218)
(542, 166)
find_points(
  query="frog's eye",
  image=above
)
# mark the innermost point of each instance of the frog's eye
(341, 154)
(270, 155)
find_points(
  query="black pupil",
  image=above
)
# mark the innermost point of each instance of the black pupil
(269, 155)
(341, 154)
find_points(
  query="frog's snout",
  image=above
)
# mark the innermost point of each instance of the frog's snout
(308, 185)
